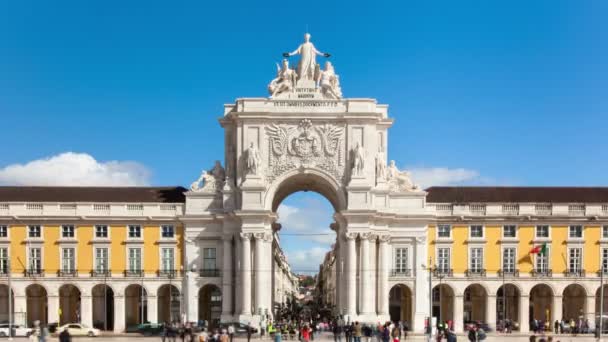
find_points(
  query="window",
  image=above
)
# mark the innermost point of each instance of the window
(4, 260)
(400, 260)
(101, 260)
(508, 260)
(605, 260)
(575, 259)
(68, 260)
(509, 231)
(101, 231)
(209, 259)
(542, 231)
(443, 259)
(35, 262)
(542, 261)
(477, 231)
(67, 231)
(476, 259)
(605, 232)
(167, 260)
(3, 231)
(167, 232)
(34, 231)
(134, 232)
(444, 231)
(134, 259)
(575, 232)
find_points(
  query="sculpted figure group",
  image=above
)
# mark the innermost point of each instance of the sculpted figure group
(210, 181)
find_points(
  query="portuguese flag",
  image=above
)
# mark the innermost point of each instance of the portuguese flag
(542, 249)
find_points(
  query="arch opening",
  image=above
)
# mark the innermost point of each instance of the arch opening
(507, 307)
(37, 304)
(574, 302)
(168, 304)
(443, 303)
(69, 304)
(400, 305)
(103, 307)
(5, 296)
(136, 305)
(475, 304)
(308, 181)
(210, 305)
(541, 305)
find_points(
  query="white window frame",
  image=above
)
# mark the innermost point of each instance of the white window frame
(203, 258)
(173, 268)
(141, 261)
(41, 237)
(510, 225)
(141, 232)
(548, 256)
(502, 258)
(29, 248)
(95, 237)
(449, 258)
(8, 232)
(483, 233)
(576, 237)
(407, 259)
(443, 237)
(604, 260)
(536, 237)
(470, 257)
(61, 251)
(95, 248)
(605, 232)
(74, 232)
(161, 232)
(581, 264)
(8, 258)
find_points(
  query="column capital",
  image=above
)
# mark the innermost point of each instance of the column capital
(384, 238)
(245, 236)
(365, 236)
(263, 236)
(350, 236)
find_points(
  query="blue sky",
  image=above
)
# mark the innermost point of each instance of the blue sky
(500, 92)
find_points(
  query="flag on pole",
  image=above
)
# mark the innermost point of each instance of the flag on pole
(542, 249)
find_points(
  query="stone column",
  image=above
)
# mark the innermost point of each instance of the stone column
(246, 274)
(491, 311)
(153, 308)
(590, 308)
(190, 302)
(364, 273)
(119, 313)
(458, 313)
(556, 311)
(383, 269)
(373, 278)
(524, 313)
(20, 305)
(267, 264)
(53, 309)
(259, 273)
(86, 310)
(227, 277)
(421, 288)
(351, 273)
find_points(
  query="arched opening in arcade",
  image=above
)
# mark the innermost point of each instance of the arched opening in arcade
(4, 303)
(103, 307)
(305, 236)
(400, 306)
(574, 303)
(599, 302)
(69, 304)
(443, 303)
(210, 305)
(36, 298)
(136, 305)
(475, 304)
(541, 304)
(507, 305)
(169, 304)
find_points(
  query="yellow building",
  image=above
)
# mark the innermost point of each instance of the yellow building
(106, 257)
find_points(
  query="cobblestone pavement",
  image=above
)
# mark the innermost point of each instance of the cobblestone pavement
(324, 337)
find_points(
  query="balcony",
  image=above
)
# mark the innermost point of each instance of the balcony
(508, 273)
(134, 273)
(474, 273)
(401, 273)
(67, 273)
(167, 274)
(101, 273)
(443, 272)
(34, 272)
(542, 273)
(209, 273)
(574, 273)
(602, 273)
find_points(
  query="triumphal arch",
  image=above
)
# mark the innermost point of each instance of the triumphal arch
(305, 136)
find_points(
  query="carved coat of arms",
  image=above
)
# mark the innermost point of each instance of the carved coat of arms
(305, 145)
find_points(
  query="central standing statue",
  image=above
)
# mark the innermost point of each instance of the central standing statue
(308, 58)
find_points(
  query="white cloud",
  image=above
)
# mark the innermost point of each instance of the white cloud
(306, 261)
(425, 177)
(75, 169)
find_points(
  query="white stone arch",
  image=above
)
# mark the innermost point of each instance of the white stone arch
(75, 284)
(308, 179)
(530, 285)
(495, 286)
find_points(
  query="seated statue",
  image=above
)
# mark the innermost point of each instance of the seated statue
(329, 82)
(210, 181)
(399, 180)
(285, 80)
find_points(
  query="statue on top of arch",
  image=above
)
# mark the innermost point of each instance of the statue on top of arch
(399, 180)
(211, 180)
(308, 71)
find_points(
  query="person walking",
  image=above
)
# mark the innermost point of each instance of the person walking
(337, 330)
(249, 333)
(556, 326)
(367, 332)
(231, 332)
(64, 336)
(357, 333)
(472, 335)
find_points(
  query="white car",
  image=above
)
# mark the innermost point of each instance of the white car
(77, 329)
(18, 330)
